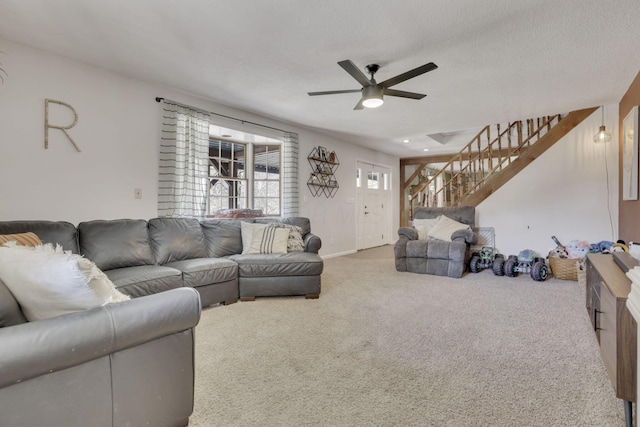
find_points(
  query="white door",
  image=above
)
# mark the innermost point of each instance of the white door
(373, 204)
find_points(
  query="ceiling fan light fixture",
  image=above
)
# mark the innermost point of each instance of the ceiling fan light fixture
(372, 97)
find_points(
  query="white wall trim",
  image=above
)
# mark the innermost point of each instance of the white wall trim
(338, 254)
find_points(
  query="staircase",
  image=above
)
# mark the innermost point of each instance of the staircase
(488, 162)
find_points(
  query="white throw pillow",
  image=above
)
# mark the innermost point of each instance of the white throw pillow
(47, 282)
(269, 240)
(424, 225)
(445, 227)
(247, 229)
(295, 242)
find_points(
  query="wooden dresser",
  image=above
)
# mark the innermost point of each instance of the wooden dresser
(615, 328)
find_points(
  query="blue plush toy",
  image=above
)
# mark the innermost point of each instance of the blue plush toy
(603, 246)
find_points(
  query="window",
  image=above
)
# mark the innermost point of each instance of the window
(266, 178)
(227, 176)
(231, 187)
(373, 180)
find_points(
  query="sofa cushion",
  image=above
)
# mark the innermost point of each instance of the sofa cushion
(247, 229)
(444, 228)
(268, 240)
(423, 226)
(10, 313)
(22, 239)
(48, 282)
(205, 271)
(238, 213)
(463, 214)
(60, 232)
(435, 249)
(145, 279)
(295, 243)
(222, 237)
(289, 264)
(175, 239)
(115, 243)
(299, 221)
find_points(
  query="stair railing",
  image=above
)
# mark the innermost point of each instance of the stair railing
(480, 160)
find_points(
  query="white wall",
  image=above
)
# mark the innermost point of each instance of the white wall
(563, 193)
(118, 132)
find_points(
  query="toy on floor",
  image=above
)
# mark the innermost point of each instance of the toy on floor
(527, 262)
(485, 258)
(560, 250)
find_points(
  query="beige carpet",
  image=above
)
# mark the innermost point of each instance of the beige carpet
(382, 348)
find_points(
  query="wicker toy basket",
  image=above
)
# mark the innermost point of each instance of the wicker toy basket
(564, 268)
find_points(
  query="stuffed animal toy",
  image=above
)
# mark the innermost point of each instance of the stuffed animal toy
(619, 246)
(601, 247)
(559, 252)
(605, 246)
(577, 249)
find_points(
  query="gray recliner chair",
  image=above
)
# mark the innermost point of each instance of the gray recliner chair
(437, 257)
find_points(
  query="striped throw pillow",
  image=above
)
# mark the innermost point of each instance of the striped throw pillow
(22, 239)
(269, 240)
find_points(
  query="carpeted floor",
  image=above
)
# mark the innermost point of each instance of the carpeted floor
(382, 348)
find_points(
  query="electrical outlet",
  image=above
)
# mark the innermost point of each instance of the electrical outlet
(137, 193)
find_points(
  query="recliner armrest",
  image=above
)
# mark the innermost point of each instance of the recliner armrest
(408, 233)
(32, 349)
(467, 236)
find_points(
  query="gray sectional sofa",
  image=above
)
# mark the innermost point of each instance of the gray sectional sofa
(146, 257)
(132, 363)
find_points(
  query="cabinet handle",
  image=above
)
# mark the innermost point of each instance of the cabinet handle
(595, 320)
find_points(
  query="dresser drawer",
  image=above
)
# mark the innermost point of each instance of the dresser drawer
(606, 322)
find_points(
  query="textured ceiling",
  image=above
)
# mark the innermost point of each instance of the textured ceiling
(499, 60)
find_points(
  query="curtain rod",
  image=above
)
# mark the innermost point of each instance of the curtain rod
(168, 101)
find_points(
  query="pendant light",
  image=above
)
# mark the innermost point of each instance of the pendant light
(602, 137)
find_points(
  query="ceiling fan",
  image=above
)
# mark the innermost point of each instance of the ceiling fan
(373, 92)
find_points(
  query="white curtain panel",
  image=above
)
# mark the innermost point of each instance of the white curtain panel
(184, 157)
(290, 175)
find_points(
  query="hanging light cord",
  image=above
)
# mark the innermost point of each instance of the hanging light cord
(606, 168)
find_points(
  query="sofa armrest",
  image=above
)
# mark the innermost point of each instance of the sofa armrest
(408, 233)
(467, 236)
(312, 243)
(32, 349)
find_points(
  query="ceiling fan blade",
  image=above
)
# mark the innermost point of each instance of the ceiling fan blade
(355, 72)
(403, 94)
(408, 75)
(334, 92)
(359, 105)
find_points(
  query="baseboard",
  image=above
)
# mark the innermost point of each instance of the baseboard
(338, 254)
